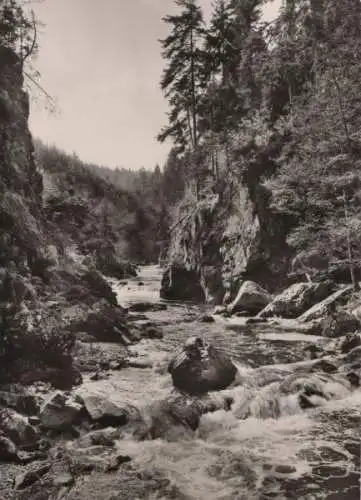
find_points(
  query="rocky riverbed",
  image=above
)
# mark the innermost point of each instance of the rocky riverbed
(288, 427)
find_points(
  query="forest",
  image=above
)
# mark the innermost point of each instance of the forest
(274, 105)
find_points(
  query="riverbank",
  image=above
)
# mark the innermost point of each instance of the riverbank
(265, 446)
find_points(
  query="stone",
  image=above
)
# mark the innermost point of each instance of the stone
(17, 398)
(17, 427)
(251, 298)
(296, 299)
(325, 366)
(101, 437)
(353, 378)
(8, 450)
(98, 286)
(200, 368)
(178, 413)
(220, 310)
(64, 479)
(104, 411)
(147, 306)
(207, 319)
(339, 324)
(59, 411)
(30, 477)
(350, 342)
(179, 283)
(321, 309)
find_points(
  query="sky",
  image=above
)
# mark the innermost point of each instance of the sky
(101, 62)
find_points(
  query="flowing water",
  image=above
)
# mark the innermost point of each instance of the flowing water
(263, 453)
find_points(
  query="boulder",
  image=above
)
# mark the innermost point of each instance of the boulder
(350, 342)
(200, 368)
(321, 309)
(104, 321)
(17, 428)
(29, 477)
(179, 283)
(59, 411)
(251, 298)
(16, 397)
(146, 306)
(105, 412)
(296, 299)
(339, 324)
(8, 450)
(98, 286)
(179, 413)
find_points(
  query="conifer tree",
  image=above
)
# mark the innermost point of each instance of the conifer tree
(182, 78)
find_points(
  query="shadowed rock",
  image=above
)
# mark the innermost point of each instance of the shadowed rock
(200, 368)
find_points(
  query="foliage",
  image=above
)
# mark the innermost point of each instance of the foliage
(279, 105)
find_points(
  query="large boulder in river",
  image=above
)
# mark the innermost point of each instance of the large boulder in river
(179, 283)
(179, 414)
(296, 299)
(200, 368)
(323, 308)
(251, 299)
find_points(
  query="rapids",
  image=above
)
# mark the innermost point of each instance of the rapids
(266, 446)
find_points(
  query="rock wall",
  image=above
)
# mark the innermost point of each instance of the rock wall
(231, 238)
(21, 238)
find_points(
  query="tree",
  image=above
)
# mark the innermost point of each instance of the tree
(18, 31)
(182, 78)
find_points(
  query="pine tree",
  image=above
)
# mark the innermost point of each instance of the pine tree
(182, 78)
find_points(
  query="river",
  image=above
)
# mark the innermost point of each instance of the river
(312, 454)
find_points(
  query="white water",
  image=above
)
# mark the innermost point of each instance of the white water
(300, 454)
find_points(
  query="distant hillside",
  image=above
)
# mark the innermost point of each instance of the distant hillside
(97, 216)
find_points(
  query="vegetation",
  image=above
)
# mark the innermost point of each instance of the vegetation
(275, 105)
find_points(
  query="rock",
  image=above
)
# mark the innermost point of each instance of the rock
(351, 341)
(285, 469)
(64, 479)
(59, 411)
(115, 365)
(147, 306)
(207, 319)
(339, 324)
(353, 378)
(95, 458)
(29, 477)
(179, 283)
(104, 321)
(17, 427)
(353, 356)
(296, 299)
(312, 351)
(8, 450)
(321, 309)
(16, 397)
(100, 437)
(251, 298)
(98, 286)
(220, 310)
(171, 416)
(200, 368)
(104, 411)
(324, 366)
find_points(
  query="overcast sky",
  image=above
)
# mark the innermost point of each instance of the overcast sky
(100, 60)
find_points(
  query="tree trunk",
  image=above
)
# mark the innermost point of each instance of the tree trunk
(194, 111)
(349, 243)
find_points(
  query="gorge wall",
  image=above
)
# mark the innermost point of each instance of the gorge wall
(230, 237)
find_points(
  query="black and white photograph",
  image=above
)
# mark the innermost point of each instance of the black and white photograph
(180, 249)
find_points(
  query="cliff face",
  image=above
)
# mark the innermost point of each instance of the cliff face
(231, 238)
(21, 239)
